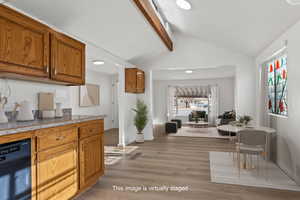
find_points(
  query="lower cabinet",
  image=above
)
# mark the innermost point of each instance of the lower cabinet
(57, 173)
(91, 160)
(62, 168)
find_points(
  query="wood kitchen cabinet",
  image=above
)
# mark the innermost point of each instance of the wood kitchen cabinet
(30, 50)
(91, 162)
(91, 153)
(67, 59)
(65, 160)
(57, 173)
(57, 163)
(24, 45)
(134, 80)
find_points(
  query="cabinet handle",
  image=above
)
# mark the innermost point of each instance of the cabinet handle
(55, 71)
(60, 138)
(47, 69)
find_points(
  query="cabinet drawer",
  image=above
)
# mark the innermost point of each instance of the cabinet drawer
(91, 129)
(47, 138)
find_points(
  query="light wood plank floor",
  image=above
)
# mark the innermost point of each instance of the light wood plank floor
(111, 137)
(178, 161)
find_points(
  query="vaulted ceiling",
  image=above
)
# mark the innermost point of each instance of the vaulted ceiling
(245, 26)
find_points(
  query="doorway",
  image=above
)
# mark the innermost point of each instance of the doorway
(112, 135)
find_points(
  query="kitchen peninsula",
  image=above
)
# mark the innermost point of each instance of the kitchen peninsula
(66, 154)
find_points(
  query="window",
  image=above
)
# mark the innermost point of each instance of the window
(277, 85)
(184, 106)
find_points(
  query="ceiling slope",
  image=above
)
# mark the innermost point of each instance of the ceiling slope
(246, 26)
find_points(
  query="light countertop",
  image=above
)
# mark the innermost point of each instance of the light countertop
(17, 127)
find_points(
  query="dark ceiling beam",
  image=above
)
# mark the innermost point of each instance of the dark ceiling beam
(147, 10)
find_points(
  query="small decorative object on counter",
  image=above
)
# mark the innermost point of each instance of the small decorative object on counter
(4, 95)
(58, 110)
(48, 114)
(3, 101)
(25, 112)
(140, 119)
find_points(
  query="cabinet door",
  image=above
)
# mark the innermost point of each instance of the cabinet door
(24, 45)
(67, 60)
(140, 81)
(91, 160)
(57, 173)
(130, 80)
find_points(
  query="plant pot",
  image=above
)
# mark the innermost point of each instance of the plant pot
(139, 138)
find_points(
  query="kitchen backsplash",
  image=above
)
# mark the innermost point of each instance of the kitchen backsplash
(26, 90)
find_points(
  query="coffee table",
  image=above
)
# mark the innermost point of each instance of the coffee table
(200, 124)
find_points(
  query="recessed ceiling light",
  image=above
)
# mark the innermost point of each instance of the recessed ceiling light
(188, 71)
(293, 2)
(183, 4)
(98, 62)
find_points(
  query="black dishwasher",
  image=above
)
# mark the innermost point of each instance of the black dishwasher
(15, 170)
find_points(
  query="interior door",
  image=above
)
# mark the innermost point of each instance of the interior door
(115, 103)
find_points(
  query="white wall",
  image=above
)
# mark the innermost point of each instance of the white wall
(27, 90)
(160, 91)
(288, 134)
(104, 81)
(148, 100)
(127, 101)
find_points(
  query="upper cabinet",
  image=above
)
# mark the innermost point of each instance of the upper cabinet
(24, 45)
(67, 59)
(32, 51)
(134, 80)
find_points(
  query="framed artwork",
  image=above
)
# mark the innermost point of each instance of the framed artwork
(89, 95)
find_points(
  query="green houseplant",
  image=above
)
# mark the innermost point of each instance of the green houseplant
(140, 119)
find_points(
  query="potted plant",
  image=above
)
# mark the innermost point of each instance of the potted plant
(140, 119)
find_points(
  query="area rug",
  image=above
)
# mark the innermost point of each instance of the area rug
(209, 132)
(112, 150)
(111, 160)
(223, 169)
